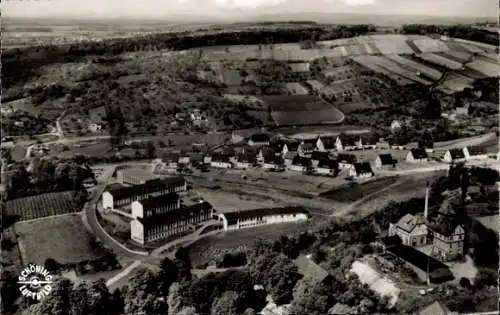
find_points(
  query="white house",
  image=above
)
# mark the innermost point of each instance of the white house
(220, 161)
(346, 143)
(256, 217)
(361, 170)
(244, 161)
(384, 161)
(475, 153)
(454, 156)
(327, 167)
(346, 161)
(418, 155)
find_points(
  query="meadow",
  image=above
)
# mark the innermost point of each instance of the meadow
(63, 238)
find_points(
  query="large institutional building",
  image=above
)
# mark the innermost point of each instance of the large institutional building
(122, 196)
(255, 217)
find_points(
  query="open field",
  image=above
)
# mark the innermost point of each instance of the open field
(210, 247)
(356, 191)
(430, 45)
(23, 104)
(62, 238)
(301, 132)
(488, 69)
(455, 82)
(423, 69)
(40, 206)
(442, 61)
(372, 63)
(459, 56)
(302, 110)
(295, 88)
(228, 202)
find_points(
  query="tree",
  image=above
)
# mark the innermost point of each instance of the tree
(280, 278)
(174, 299)
(52, 266)
(150, 150)
(226, 304)
(167, 276)
(141, 295)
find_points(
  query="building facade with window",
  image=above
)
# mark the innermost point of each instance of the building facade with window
(256, 217)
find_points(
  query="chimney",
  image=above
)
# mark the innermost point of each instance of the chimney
(426, 207)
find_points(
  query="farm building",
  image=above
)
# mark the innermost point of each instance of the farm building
(327, 167)
(162, 217)
(474, 153)
(421, 263)
(346, 160)
(117, 197)
(133, 176)
(346, 143)
(259, 139)
(448, 234)
(220, 161)
(418, 155)
(454, 156)
(385, 161)
(300, 164)
(256, 217)
(361, 170)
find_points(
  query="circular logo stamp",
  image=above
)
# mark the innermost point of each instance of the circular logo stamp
(35, 282)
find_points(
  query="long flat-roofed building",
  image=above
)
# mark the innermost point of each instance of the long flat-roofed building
(255, 217)
(134, 176)
(117, 197)
(160, 217)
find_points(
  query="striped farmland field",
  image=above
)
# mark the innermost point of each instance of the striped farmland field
(430, 45)
(372, 64)
(423, 69)
(442, 61)
(489, 69)
(459, 56)
(455, 83)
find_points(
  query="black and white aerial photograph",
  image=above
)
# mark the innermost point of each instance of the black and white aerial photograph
(249, 157)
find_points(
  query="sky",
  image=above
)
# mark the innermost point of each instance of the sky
(228, 8)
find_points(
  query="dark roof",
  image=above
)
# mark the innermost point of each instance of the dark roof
(218, 157)
(273, 159)
(419, 153)
(154, 202)
(260, 137)
(246, 158)
(346, 158)
(327, 163)
(457, 154)
(386, 159)
(147, 188)
(171, 157)
(347, 140)
(435, 308)
(367, 140)
(417, 258)
(174, 216)
(363, 168)
(476, 151)
(328, 142)
(318, 155)
(232, 217)
(445, 222)
(300, 160)
(409, 222)
(292, 145)
(310, 140)
(308, 146)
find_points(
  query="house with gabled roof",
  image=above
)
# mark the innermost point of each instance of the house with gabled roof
(418, 155)
(454, 156)
(474, 153)
(367, 142)
(285, 145)
(327, 167)
(326, 143)
(316, 156)
(273, 162)
(306, 148)
(361, 170)
(346, 143)
(300, 164)
(385, 161)
(266, 151)
(309, 269)
(448, 233)
(346, 160)
(411, 229)
(244, 160)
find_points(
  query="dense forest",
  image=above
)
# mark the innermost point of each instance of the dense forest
(457, 31)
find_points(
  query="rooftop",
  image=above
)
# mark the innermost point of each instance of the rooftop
(418, 259)
(181, 214)
(155, 202)
(476, 151)
(363, 168)
(346, 158)
(300, 161)
(318, 155)
(147, 188)
(386, 159)
(457, 154)
(310, 269)
(419, 153)
(260, 137)
(409, 222)
(232, 217)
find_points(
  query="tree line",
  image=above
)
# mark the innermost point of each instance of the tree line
(457, 31)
